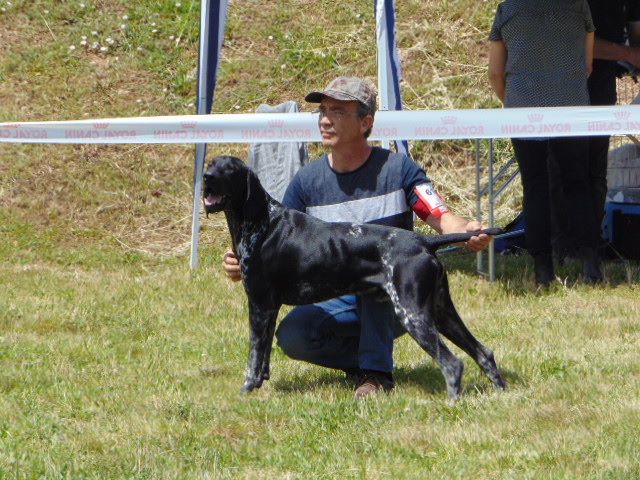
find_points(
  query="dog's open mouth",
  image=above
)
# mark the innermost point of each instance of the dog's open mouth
(214, 202)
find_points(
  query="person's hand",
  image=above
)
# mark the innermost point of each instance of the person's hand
(477, 242)
(231, 266)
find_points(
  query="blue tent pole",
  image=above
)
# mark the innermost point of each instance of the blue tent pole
(213, 15)
(389, 71)
(383, 57)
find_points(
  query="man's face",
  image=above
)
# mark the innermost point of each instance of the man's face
(339, 122)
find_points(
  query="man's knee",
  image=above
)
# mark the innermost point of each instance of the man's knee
(291, 337)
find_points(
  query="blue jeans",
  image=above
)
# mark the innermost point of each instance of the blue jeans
(344, 333)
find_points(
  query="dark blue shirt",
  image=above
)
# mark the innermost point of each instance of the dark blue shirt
(380, 191)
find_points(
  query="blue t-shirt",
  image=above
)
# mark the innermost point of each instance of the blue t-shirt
(380, 191)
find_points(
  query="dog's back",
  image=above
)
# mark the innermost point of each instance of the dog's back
(308, 260)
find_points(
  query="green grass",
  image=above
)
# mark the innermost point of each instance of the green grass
(121, 367)
(117, 362)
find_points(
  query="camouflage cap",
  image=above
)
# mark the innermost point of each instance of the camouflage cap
(348, 89)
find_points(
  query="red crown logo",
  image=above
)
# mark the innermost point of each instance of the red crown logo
(100, 125)
(10, 125)
(449, 120)
(535, 117)
(189, 124)
(622, 115)
(275, 123)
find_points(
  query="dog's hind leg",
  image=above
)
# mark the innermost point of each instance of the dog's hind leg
(450, 325)
(414, 307)
(428, 338)
(262, 325)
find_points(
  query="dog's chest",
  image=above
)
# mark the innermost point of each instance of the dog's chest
(250, 241)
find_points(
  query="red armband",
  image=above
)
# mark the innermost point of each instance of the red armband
(429, 202)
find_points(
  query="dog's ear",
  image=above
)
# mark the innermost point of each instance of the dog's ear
(255, 201)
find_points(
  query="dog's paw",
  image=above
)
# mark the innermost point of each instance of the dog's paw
(250, 385)
(500, 384)
(451, 401)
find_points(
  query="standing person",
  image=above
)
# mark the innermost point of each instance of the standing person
(540, 55)
(611, 18)
(356, 182)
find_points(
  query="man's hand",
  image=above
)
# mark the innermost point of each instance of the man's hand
(451, 223)
(231, 266)
(477, 242)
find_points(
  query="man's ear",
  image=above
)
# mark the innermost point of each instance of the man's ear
(366, 123)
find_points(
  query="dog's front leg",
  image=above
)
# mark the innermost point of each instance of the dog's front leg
(266, 361)
(262, 321)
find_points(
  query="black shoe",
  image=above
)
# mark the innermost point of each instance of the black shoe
(352, 375)
(543, 268)
(591, 265)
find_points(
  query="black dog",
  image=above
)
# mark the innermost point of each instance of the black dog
(288, 257)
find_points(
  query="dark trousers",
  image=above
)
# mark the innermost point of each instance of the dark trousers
(566, 160)
(602, 91)
(598, 161)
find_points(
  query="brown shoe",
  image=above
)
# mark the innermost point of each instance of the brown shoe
(373, 382)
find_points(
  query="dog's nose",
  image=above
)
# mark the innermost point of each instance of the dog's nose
(208, 175)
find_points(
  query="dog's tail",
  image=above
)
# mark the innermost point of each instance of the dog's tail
(437, 241)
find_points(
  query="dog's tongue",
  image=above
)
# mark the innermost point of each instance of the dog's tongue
(212, 199)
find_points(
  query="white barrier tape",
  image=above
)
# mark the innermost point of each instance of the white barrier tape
(302, 127)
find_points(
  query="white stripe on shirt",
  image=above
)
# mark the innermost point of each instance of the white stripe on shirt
(362, 210)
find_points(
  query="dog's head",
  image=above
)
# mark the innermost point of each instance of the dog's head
(225, 182)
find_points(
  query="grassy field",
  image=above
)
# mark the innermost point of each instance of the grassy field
(117, 362)
(116, 366)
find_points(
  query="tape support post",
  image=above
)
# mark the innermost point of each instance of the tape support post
(302, 127)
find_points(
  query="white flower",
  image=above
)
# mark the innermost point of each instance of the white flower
(125, 17)
(123, 26)
(84, 37)
(139, 100)
(94, 33)
(72, 47)
(270, 37)
(237, 107)
(155, 30)
(82, 5)
(104, 49)
(171, 37)
(178, 4)
(283, 66)
(153, 24)
(110, 41)
(83, 42)
(95, 45)
(140, 49)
